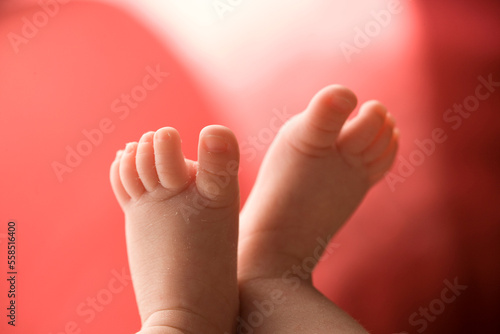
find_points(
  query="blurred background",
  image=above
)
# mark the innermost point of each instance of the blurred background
(420, 255)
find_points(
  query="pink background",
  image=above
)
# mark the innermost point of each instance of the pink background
(441, 223)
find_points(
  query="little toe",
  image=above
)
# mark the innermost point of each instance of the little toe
(169, 159)
(145, 162)
(116, 182)
(320, 124)
(128, 172)
(361, 131)
(381, 142)
(218, 161)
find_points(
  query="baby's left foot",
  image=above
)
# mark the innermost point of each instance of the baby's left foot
(313, 177)
(181, 222)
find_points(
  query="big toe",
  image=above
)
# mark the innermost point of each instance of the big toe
(218, 162)
(315, 131)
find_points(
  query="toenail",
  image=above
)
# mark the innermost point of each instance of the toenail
(147, 138)
(129, 148)
(215, 144)
(343, 103)
(163, 136)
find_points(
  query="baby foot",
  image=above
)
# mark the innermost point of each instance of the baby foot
(313, 177)
(181, 220)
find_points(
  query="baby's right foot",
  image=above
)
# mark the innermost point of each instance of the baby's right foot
(313, 177)
(181, 222)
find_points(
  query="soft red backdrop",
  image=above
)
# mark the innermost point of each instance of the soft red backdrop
(442, 223)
